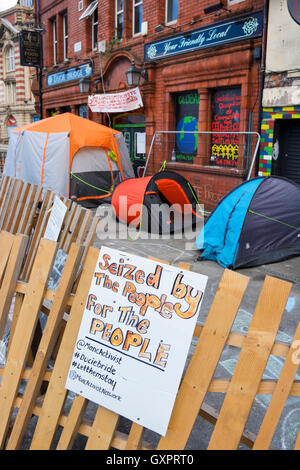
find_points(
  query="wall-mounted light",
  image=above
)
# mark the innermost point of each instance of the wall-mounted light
(134, 75)
(161, 27)
(215, 7)
(84, 85)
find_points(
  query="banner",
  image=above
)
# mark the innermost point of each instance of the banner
(116, 102)
(135, 336)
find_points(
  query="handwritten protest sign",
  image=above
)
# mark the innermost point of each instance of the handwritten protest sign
(135, 336)
(116, 102)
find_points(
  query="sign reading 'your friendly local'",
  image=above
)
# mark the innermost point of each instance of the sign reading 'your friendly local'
(135, 336)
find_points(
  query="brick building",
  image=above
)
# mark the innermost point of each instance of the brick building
(280, 125)
(17, 103)
(201, 75)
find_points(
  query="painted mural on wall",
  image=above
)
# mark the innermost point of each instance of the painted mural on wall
(187, 106)
(226, 104)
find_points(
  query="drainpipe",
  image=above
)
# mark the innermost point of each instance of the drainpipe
(262, 74)
(41, 66)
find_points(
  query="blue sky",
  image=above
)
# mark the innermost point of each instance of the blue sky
(5, 4)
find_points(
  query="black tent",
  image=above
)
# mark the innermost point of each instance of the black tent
(257, 222)
(162, 203)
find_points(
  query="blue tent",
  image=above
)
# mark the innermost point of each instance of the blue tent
(257, 222)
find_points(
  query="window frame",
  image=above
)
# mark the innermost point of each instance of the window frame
(167, 4)
(10, 63)
(54, 40)
(136, 4)
(117, 14)
(65, 35)
(95, 29)
(10, 92)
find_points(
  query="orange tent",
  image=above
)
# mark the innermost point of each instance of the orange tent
(70, 155)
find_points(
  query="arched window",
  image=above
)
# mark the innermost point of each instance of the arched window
(10, 59)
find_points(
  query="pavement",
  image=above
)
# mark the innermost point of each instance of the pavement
(174, 250)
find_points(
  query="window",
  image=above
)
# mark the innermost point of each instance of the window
(65, 35)
(137, 16)
(95, 29)
(10, 92)
(119, 15)
(171, 11)
(26, 3)
(186, 125)
(54, 40)
(226, 106)
(10, 59)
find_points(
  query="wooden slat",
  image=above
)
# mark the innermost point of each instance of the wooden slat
(38, 233)
(12, 271)
(24, 332)
(135, 437)
(297, 443)
(251, 365)
(5, 181)
(103, 429)
(6, 200)
(45, 347)
(202, 365)
(279, 397)
(26, 221)
(12, 204)
(56, 392)
(6, 243)
(72, 424)
(73, 228)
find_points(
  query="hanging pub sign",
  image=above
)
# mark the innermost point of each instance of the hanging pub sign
(30, 43)
(135, 336)
(226, 104)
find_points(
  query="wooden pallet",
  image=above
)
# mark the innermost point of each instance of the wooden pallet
(18, 205)
(25, 209)
(102, 430)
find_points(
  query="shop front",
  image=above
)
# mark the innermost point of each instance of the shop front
(206, 103)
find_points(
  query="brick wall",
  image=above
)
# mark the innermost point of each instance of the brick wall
(228, 65)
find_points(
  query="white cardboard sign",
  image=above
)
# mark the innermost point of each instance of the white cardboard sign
(55, 220)
(135, 336)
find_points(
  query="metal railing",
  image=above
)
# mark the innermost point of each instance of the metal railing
(247, 145)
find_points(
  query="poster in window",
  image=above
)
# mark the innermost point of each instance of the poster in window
(226, 104)
(187, 107)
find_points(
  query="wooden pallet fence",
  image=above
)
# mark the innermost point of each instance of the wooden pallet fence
(18, 205)
(25, 209)
(60, 421)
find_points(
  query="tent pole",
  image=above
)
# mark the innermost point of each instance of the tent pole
(150, 150)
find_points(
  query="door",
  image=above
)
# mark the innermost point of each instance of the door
(286, 149)
(133, 128)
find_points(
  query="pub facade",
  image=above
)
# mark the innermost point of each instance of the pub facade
(199, 66)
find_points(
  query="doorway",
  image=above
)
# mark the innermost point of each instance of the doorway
(286, 149)
(133, 128)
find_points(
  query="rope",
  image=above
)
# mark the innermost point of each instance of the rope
(163, 166)
(140, 225)
(274, 220)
